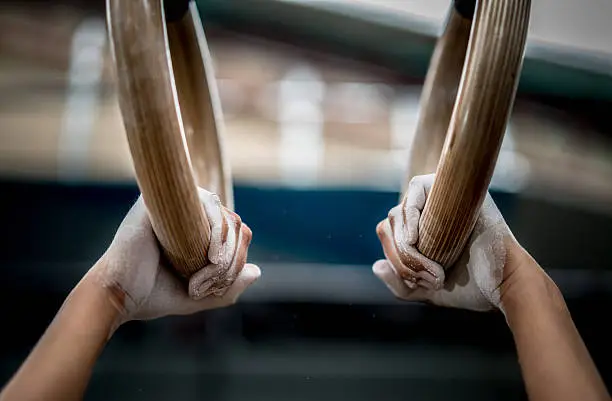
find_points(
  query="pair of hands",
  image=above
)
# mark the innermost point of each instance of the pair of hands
(144, 288)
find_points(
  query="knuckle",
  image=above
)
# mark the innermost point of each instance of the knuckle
(230, 214)
(391, 219)
(417, 181)
(236, 217)
(423, 180)
(397, 210)
(247, 234)
(380, 229)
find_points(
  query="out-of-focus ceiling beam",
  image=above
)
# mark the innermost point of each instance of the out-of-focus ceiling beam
(402, 41)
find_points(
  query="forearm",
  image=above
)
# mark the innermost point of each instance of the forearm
(556, 364)
(60, 365)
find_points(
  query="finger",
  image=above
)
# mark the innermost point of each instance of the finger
(212, 277)
(409, 257)
(412, 206)
(236, 265)
(386, 239)
(229, 238)
(404, 227)
(213, 209)
(411, 217)
(400, 230)
(387, 274)
(416, 194)
(244, 242)
(215, 279)
(429, 273)
(414, 268)
(201, 283)
(249, 274)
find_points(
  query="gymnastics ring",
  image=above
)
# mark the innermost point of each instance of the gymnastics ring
(172, 116)
(467, 98)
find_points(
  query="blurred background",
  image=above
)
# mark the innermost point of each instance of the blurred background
(320, 100)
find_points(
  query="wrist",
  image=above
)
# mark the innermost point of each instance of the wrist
(525, 283)
(111, 297)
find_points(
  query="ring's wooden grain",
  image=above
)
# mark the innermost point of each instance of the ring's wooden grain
(477, 125)
(200, 105)
(438, 96)
(154, 121)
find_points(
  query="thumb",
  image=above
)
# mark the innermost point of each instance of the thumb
(185, 305)
(384, 270)
(249, 274)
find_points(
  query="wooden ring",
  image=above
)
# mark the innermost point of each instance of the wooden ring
(467, 98)
(172, 117)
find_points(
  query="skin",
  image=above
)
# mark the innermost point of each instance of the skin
(494, 272)
(130, 282)
(60, 365)
(555, 362)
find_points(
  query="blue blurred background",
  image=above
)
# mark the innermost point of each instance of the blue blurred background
(320, 101)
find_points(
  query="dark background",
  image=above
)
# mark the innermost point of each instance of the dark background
(305, 331)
